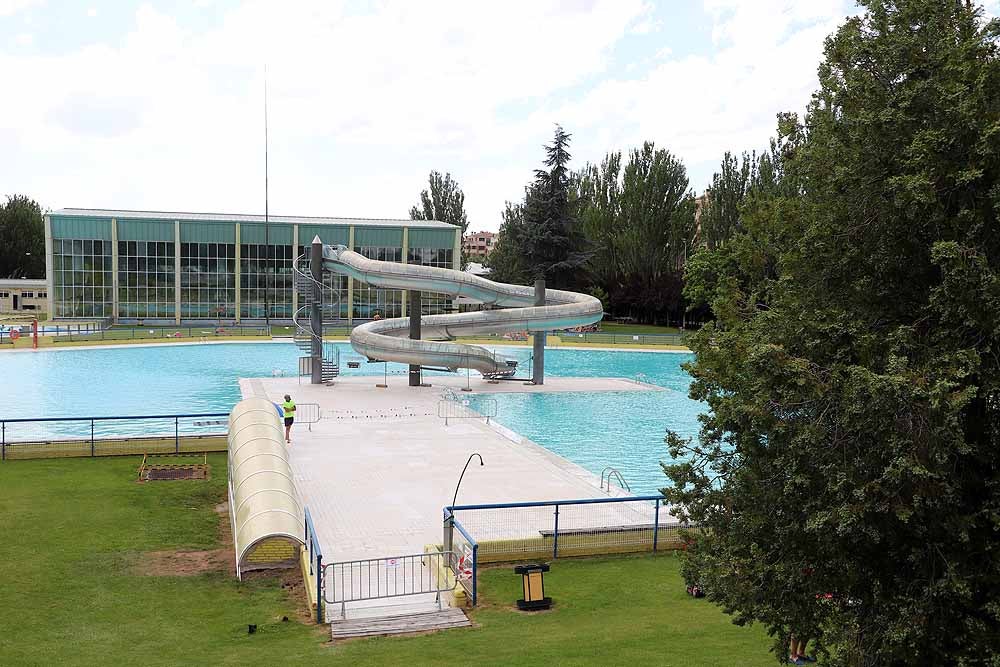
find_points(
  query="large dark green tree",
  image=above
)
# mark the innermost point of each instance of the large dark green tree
(640, 222)
(506, 260)
(553, 242)
(848, 473)
(443, 201)
(22, 238)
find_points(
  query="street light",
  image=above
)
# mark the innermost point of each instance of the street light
(455, 497)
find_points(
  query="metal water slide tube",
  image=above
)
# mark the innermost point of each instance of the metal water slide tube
(385, 340)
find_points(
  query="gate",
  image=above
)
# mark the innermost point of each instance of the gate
(379, 578)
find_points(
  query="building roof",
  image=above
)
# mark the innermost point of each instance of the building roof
(22, 282)
(247, 217)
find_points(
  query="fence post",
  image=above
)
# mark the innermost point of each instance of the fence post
(555, 536)
(92, 437)
(447, 540)
(3, 440)
(656, 525)
(319, 588)
(177, 437)
(475, 574)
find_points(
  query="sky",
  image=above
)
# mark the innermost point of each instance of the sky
(160, 105)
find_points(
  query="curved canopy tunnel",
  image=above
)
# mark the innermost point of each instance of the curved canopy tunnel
(264, 507)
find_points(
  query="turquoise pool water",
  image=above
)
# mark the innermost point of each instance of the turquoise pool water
(622, 429)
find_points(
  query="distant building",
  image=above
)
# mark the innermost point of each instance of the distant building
(478, 244)
(18, 295)
(166, 267)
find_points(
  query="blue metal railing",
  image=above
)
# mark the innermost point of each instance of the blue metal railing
(555, 532)
(4, 443)
(453, 523)
(315, 563)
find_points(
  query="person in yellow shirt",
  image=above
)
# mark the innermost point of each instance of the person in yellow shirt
(289, 409)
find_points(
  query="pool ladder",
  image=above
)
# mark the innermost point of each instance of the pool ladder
(610, 472)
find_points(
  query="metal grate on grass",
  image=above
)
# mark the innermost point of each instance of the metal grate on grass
(156, 468)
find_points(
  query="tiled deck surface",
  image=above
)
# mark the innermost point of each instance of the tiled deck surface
(379, 467)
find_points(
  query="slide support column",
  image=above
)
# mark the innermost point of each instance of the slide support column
(316, 311)
(538, 340)
(414, 310)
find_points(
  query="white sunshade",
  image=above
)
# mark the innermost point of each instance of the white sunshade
(264, 504)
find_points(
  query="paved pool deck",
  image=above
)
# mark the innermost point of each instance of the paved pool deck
(379, 467)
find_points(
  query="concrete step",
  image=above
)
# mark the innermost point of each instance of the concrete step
(450, 617)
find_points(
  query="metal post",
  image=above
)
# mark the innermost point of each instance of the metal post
(91, 437)
(414, 310)
(316, 311)
(449, 531)
(475, 574)
(177, 437)
(3, 440)
(319, 588)
(555, 536)
(656, 525)
(538, 340)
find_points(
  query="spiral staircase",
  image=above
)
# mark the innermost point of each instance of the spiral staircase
(305, 287)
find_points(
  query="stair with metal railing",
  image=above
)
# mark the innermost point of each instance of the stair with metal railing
(306, 288)
(608, 473)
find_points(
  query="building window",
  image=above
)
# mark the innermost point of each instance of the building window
(146, 279)
(27, 295)
(4, 295)
(265, 279)
(433, 304)
(208, 280)
(81, 278)
(370, 300)
(42, 295)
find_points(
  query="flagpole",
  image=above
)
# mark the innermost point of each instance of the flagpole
(267, 234)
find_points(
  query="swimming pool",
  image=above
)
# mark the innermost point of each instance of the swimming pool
(621, 429)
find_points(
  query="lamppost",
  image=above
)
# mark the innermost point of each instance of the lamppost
(455, 497)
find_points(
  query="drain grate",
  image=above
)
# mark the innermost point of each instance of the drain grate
(156, 472)
(160, 473)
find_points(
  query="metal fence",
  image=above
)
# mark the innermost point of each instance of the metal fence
(551, 529)
(315, 557)
(598, 338)
(465, 562)
(110, 436)
(308, 413)
(486, 408)
(381, 578)
(157, 332)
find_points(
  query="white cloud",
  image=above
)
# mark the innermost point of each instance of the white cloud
(24, 39)
(362, 106)
(12, 7)
(92, 12)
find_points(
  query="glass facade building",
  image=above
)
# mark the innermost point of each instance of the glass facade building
(176, 267)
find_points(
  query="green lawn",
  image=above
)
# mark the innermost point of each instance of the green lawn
(612, 327)
(72, 592)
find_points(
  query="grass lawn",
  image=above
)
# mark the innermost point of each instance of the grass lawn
(75, 589)
(613, 327)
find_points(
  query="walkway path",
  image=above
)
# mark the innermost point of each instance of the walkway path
(379, 467)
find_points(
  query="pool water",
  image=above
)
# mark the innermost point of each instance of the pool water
(620, 429)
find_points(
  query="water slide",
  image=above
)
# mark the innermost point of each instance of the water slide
(387, 340)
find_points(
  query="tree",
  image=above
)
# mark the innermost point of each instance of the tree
(506, 260)
(22, 238)
(444, 202)
(640, 222)
(553, 243)
(847, 475)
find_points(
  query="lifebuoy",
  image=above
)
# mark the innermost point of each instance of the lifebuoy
(14, 334)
